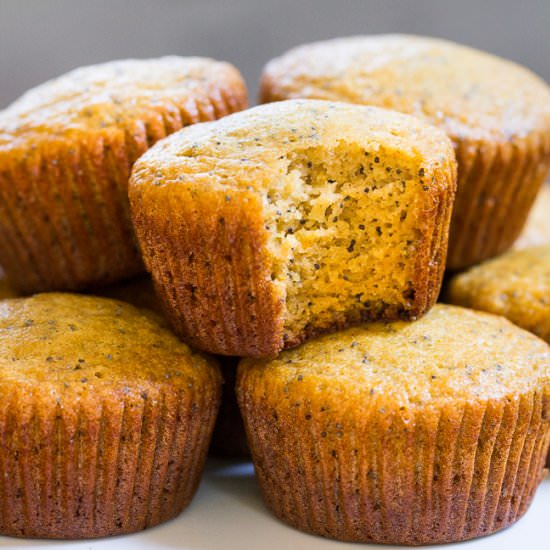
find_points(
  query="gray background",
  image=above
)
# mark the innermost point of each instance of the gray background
(40, 39)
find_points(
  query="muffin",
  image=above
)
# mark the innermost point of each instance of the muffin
(293, 219)
(105, 418)
(537, 229)
(66, 150)
(229, 437)
(515, 285)
(496, 113)
(402, 433)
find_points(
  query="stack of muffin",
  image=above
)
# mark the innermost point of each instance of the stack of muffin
(308, 236)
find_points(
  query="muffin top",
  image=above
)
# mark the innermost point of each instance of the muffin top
(515, 285)
(470, 94)
(450, 355)
(63, 346)
(103, 98)
(250, 149)
(537, 228)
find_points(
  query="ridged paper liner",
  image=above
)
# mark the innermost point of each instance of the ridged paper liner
(210, 263)
(428, 477)
(109, 466)
(497, 185)
(64, 214)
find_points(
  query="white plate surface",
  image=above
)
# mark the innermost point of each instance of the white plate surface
(228, 514)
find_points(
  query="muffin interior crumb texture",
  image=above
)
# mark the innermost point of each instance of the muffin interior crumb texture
(342, 225)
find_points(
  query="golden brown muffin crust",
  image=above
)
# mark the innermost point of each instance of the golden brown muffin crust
(451, 355)
(221, 208)
(72, 344)
(470, 94)
(120, 96)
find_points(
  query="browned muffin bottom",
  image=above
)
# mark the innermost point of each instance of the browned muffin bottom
(496, 113)
(105, 418)
(293, 219)
(403, 433)
(66, 151)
